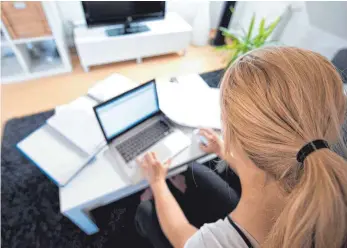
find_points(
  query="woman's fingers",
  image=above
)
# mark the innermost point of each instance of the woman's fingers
(142, 163)
(209, 131)
(168, 163)
(151, 159)
(203, 147)
(153, 170)
(139, 161)
(205, 134)
(209, 136)
(154, 156)
(202, 132)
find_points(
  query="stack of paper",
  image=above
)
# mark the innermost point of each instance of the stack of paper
(111, 86)
(190, 101)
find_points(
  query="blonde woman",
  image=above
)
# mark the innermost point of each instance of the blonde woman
(282, 110)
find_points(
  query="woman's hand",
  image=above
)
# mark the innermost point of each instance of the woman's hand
(153, 170)
(214, 143)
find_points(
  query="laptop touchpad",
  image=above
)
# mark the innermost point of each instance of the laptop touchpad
(175, 142)
(170, 146)
(163, 152)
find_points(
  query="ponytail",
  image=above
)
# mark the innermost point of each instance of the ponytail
(315, 214)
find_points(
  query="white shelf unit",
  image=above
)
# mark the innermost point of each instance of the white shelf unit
(22, 65)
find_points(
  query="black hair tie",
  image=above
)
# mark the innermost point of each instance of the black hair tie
(311, 147)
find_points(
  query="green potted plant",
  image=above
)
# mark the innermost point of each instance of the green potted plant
(238, 45)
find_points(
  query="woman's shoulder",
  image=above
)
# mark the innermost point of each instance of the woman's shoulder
(219, 234)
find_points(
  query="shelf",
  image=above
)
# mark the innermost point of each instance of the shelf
(45, 66)
(10, 68)
(40, 56)
(36, 67)
(34, 39)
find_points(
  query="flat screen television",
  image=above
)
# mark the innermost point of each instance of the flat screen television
(122, 12)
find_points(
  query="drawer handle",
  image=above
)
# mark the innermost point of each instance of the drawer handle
(19, 5)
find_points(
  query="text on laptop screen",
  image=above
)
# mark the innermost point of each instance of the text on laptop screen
(126, 111)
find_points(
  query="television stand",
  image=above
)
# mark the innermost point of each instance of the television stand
(96, 47)
(128, 28)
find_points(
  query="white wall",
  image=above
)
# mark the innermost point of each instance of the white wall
(321, 31)
(245, 10)
(331, 16)
(318, 26)
(72, 13)
(188, 8)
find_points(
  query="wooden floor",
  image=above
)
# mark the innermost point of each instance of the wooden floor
(25, 98)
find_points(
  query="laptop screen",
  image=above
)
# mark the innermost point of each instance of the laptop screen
(125, 111)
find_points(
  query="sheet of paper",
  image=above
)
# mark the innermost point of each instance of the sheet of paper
(190, 106)
(77, 122)
(193, 81)
(209, 113)
(111, 86)
(83, 103)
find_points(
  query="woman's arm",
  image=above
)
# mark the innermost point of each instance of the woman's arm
(171, 218)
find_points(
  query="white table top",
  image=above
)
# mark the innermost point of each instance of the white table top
(99, 182)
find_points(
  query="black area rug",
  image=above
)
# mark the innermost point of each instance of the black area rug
(30, 215)
(213, 78)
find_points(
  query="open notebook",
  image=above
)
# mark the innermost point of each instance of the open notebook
(77, 122)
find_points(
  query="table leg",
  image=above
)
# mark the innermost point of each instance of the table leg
(85, 68)
(184, 52)
(82, 220)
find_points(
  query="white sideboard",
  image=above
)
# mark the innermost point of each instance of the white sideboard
(95, 47)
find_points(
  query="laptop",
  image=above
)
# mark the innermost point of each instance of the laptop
(133, 125)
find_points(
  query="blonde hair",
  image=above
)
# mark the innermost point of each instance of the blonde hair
(274, 101)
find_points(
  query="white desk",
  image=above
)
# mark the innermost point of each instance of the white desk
(100, 183)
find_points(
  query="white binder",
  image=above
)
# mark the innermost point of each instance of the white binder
(53, 154)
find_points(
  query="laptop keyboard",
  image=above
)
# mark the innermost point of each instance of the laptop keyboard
(132, 147)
